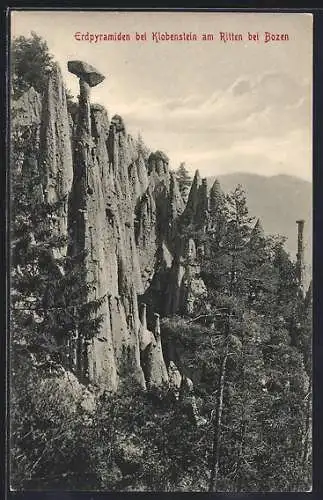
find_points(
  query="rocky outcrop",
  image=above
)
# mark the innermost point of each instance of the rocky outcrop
(46, 153)
(138, 178)
(151, 213)
(185, 288)
(25, 143)
(66, 389)
(55, 146)
(26, 111)
(85, 72)
(120, 209)
(146, 234)
(157, 375)
(190, 211)
(152, 359)
(102, 224)
(174, 294)
(175, 209)
(202, 206)
(56, 164)
(157, 214)
(146, 337)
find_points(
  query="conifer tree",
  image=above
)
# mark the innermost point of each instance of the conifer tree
(183, 178)
(141, 148)
(286, 411)
(30, 63)
(226, 267)
(217, 209)
(49, 291)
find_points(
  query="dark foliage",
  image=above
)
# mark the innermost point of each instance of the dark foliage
(31, 62)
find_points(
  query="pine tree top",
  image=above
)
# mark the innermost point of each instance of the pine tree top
(258, 229)
(197, 177)
(216, 188)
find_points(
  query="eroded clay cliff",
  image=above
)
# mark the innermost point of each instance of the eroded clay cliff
(123, 211)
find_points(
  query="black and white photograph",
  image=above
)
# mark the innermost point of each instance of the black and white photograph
(160, 251)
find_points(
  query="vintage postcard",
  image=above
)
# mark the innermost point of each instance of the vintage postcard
(161, 251)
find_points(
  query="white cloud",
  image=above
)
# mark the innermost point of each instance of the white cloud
(269, 104)
(290, 154)
(219, 107)
(261, 124)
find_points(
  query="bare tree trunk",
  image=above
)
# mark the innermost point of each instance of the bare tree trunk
(75, 344)
(243, 428)
(306, 439)
(233, 273)
(214, 470)
(238, 475)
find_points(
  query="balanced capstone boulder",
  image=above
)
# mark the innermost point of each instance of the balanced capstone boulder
(85, 72)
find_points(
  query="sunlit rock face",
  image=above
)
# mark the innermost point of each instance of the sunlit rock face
(56, 163)
(102, 224)
(118, 213)
(123, 210)
(43, 123)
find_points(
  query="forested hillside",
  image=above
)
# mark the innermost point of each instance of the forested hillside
(160, 339)
(278, 201)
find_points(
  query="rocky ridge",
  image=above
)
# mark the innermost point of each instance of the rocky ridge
(124, 211)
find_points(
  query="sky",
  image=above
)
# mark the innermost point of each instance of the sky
(220, 107)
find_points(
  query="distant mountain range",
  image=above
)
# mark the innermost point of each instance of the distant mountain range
(278, 201)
